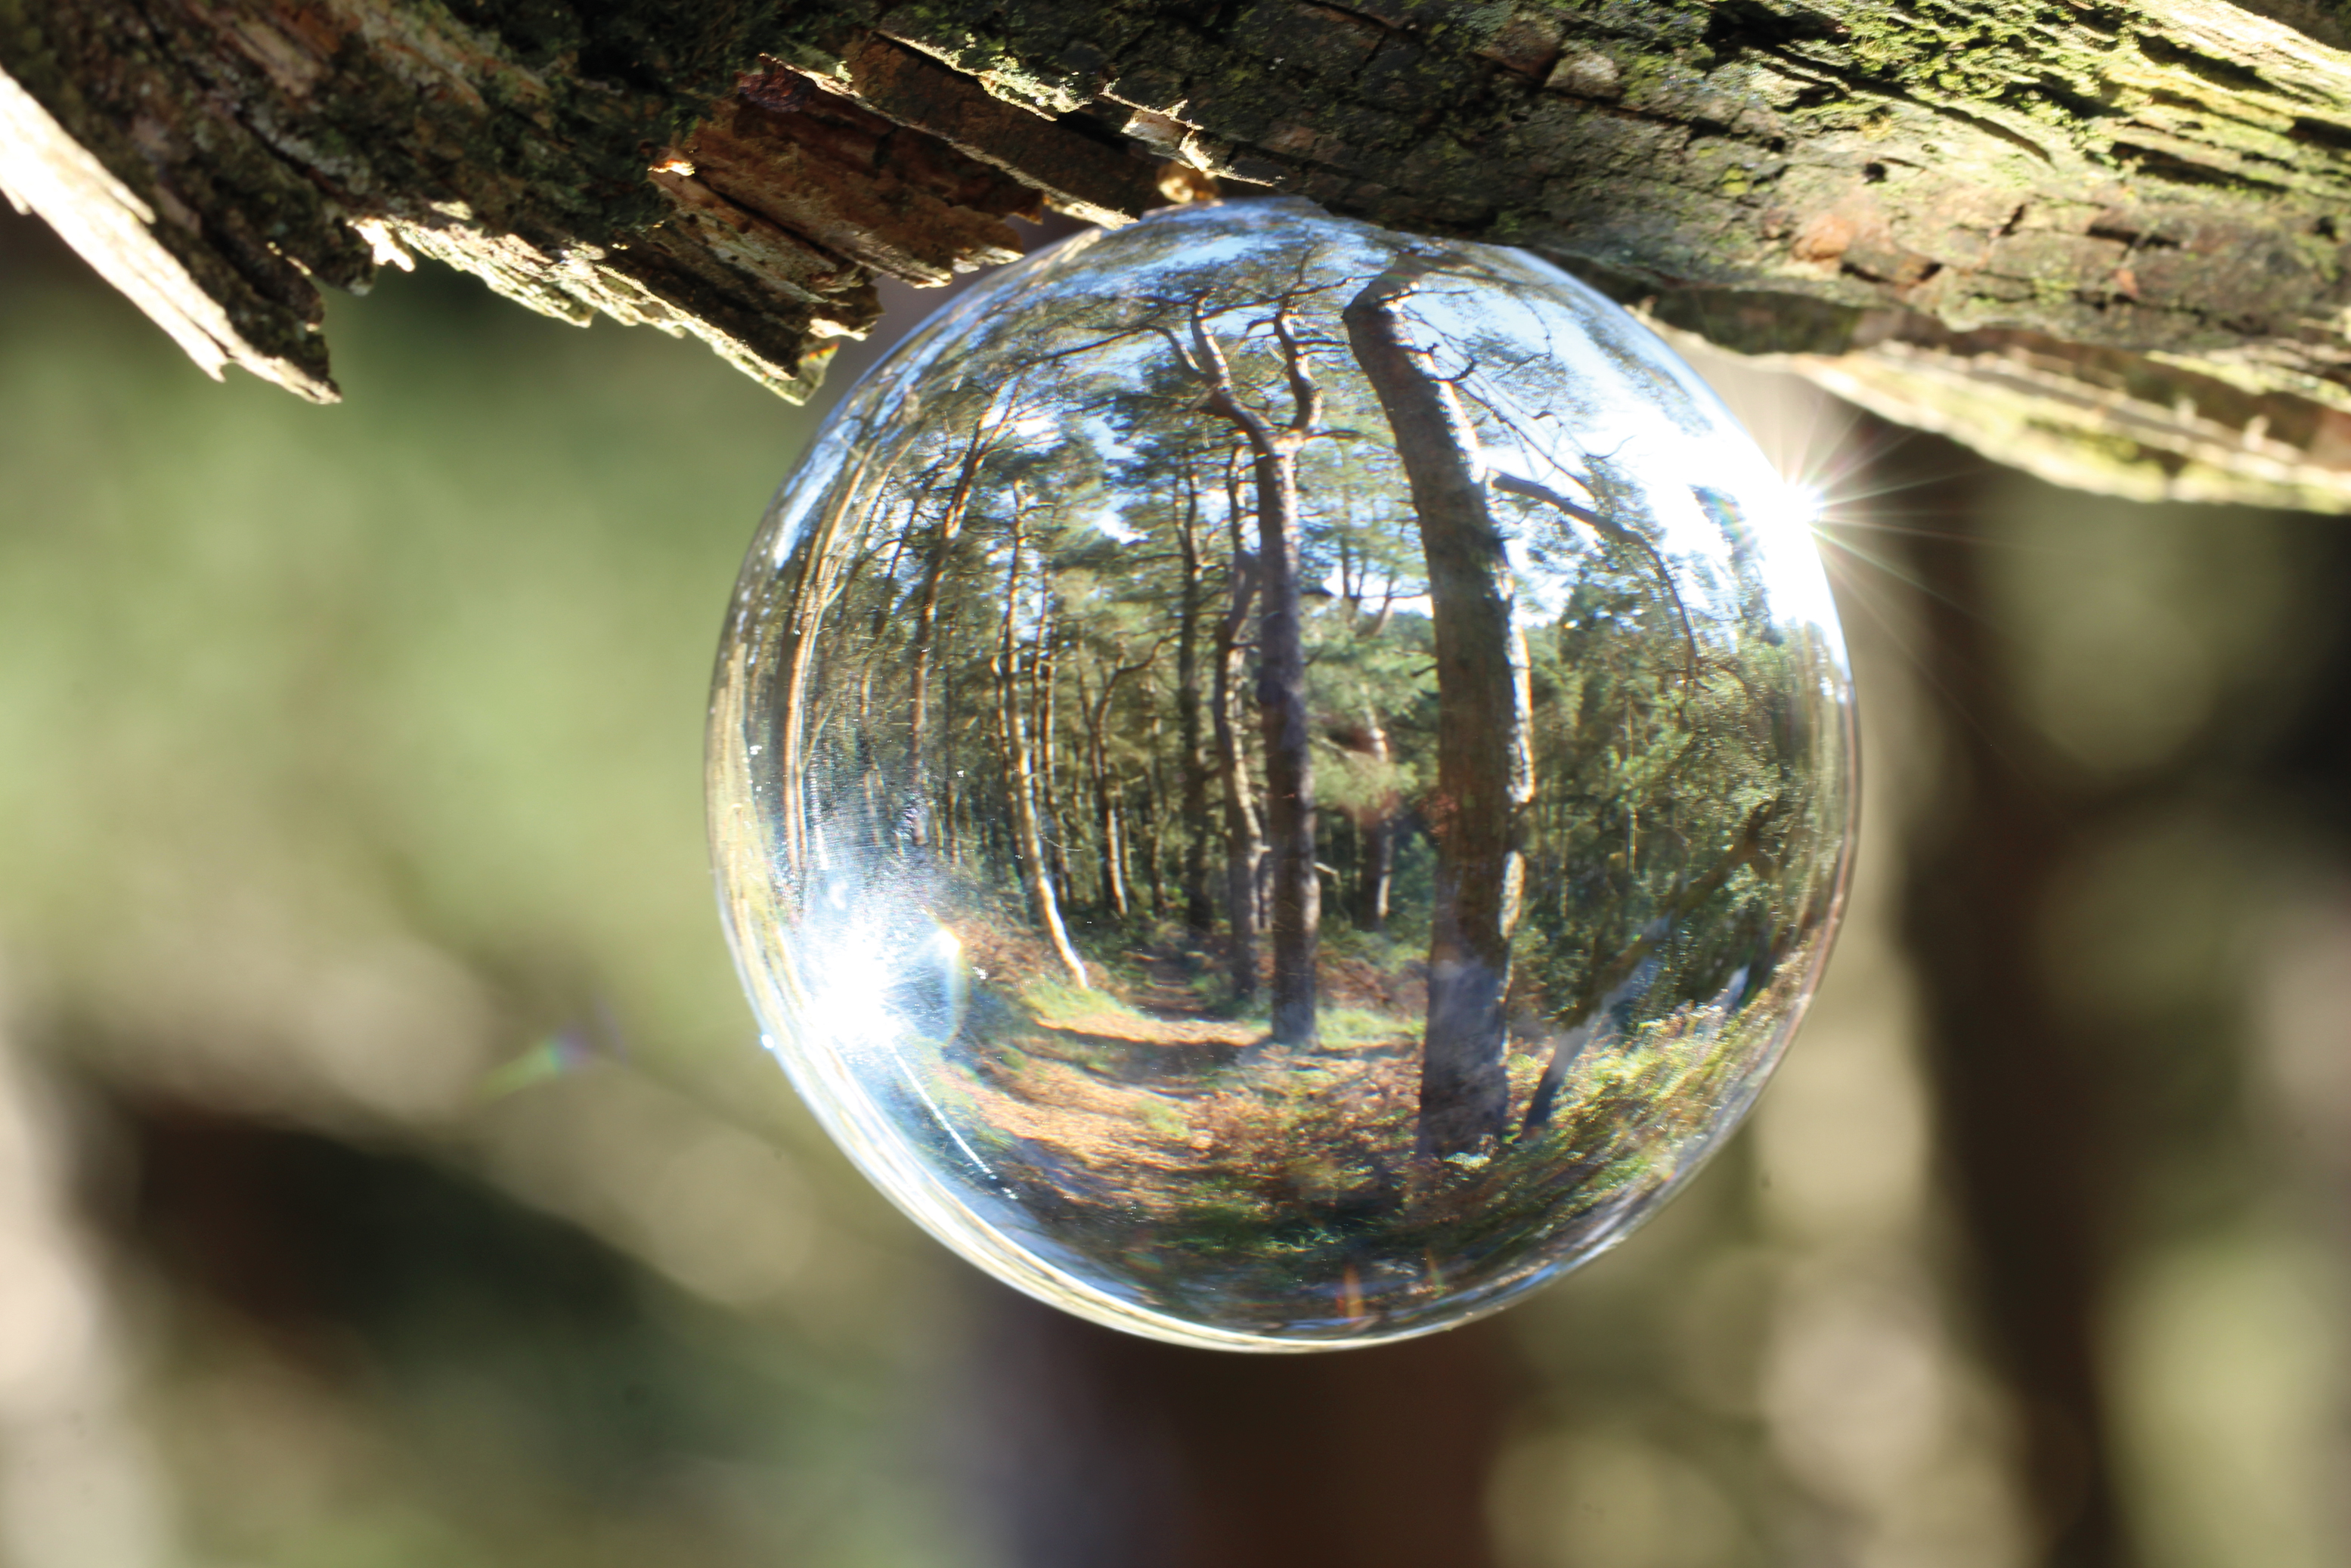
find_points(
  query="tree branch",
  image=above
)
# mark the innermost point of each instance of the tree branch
(2050, 226)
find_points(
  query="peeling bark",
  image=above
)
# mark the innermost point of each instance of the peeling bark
(2103, 236)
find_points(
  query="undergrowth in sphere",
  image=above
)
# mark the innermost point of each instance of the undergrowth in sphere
(1277, 784)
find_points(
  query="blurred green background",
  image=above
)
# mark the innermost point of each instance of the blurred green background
(389, 1174)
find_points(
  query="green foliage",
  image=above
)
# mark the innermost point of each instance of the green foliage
(349, 751)
(1036, 606)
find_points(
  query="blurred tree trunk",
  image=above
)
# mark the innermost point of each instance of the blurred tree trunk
(1088, 1448)
(2026, 1127)
(1296, 927)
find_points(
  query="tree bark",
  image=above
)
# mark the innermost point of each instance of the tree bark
(1109, 827)
(1375, 834)
(1107, 836)
(1151, 844)
(1283, 721)
(1485, 771)
(1020, 781)
(1297, 891)
(2099, 238)
(1045, 687)
(1244, 844)
(1191, 603)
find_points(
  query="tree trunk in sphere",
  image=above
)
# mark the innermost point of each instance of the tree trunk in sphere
(1376, 833)
(1484, 771)
(1021, 782)
(1198, 912)
(1284, 725)
(1283, 719)
(1244, 847)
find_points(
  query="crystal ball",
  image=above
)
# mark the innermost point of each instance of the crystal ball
(1276, 784)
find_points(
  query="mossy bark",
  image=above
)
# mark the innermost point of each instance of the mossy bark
(2109, 229)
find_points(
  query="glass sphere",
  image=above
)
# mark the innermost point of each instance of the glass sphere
(1276, 785)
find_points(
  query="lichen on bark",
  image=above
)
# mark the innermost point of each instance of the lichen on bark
(1964, 209)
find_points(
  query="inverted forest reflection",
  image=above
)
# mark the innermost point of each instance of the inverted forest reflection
(1277, 784)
